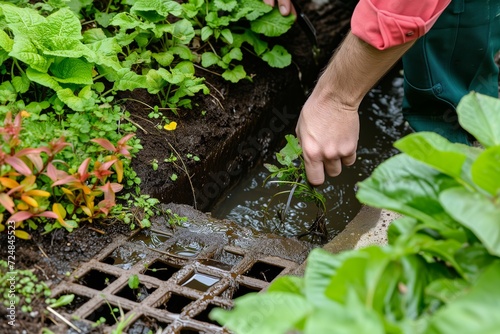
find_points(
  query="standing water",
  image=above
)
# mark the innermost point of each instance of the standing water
(251, 204)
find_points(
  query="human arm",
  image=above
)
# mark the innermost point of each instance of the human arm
(328, 126)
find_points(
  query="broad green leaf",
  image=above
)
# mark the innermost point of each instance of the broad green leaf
(272, 24)
(290, 152)
(206, 33)
(472, 259)
(63, 23)
(185, 67)
(21, 20)
(477, 213)
(74, 71)
(104, 19)
(228, 35)
(269, 313)
(63, 300)
(163, 58)
(486, 170)
(7, 92)
(407, 186)
(155, 82)
(277, 57)
(82, 102)
(291, 284)
(351, 317)
(182, 51)
(6, 42)
(251, 38)
(156, 10)
(21, 83)
(234, 75)
(174, 77)
(25, 51)
(446, 290)
(183, 31)
(434, 150)
(234, 54)
(475, 311)
(252, 10)
(126, 21)
(480, 115)
(226, 5)
(43, 79)
(128, 80)
(133, 281)
(208, 59)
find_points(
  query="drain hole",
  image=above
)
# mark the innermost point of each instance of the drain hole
(201, 282)
(176, 303)
(161, 270)
(106, 313)
(264, 271)
(96, 279)
(225, 261)
(243, 290)
(124, 257)
(136, 295)
(203, 316)
(147, 325)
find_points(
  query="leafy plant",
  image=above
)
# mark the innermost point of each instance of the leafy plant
(441, 264)
(26, 285)
(30, 182)
(292, 173)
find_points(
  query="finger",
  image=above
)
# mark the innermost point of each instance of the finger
(269, 2)
(333, 167)
(349, 160)
(284, 7)
(314, 172)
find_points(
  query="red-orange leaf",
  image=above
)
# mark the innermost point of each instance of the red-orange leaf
(7, 202)
(30, 201)
(8, 182)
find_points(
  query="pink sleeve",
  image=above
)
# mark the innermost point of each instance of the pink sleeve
(386, 23)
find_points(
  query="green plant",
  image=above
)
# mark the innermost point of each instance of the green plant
(292, 173)
(30, 182)
(20, 287)
(439, 272)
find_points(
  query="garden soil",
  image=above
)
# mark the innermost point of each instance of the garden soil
(229, 130)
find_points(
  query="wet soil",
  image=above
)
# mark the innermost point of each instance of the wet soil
(229, 130)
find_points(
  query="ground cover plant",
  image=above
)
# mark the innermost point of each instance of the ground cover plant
(439, 272)
(64, 67)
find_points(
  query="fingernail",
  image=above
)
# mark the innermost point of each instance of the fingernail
(283, 10)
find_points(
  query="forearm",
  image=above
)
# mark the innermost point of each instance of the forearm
(354, 69)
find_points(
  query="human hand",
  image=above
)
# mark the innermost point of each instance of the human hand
(285, 6)
(328, 132)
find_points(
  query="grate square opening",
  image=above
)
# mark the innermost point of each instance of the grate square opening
(136, 295)
(199, 281)
(161, 270)
(124, 257)
(264, 271)
(106, 314)
(147, 324)
(176, 303)
(97, 279)
(77, 302)
(243, 290)
(203, 315)
(225, 260)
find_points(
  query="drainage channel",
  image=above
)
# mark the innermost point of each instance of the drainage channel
(183, 274)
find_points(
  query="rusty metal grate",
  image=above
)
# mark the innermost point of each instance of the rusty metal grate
(181, 280)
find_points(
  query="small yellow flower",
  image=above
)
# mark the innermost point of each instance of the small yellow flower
(170, 126)
(25, 114)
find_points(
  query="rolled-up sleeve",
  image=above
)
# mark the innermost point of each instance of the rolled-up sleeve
(386, 23)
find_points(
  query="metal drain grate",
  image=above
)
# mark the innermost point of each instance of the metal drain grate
(182, 275)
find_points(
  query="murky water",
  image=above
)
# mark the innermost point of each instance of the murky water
(251, 204)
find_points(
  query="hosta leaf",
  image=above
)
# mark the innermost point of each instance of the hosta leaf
(486, 170)
(480, 115)
(272, 24)
(71, 70)
(234, 75)
(477, 213)
(277, 57)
